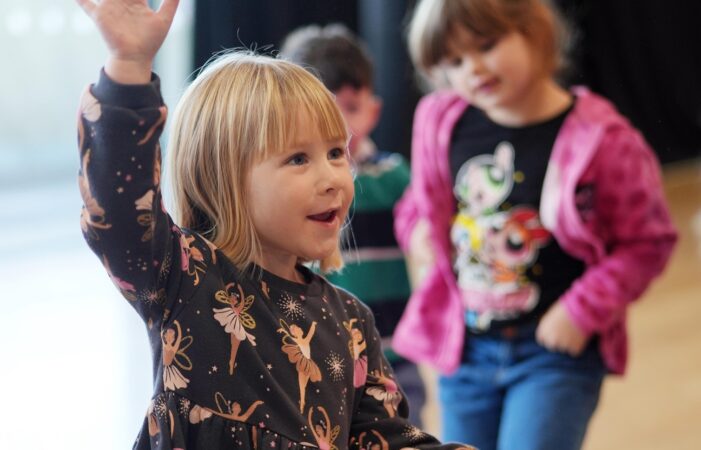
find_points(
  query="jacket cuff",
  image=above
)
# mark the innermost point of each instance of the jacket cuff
(130, 96)
(578, 314)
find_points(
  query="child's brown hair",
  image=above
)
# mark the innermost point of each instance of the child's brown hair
(333, 53)
(434, 22)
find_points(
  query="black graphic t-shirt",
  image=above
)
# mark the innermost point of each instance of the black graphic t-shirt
(509, 268)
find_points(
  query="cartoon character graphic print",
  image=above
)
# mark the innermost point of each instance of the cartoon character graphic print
(494, 247)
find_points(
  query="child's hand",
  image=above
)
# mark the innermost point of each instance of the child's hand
(558, 333)
(421, 255)
(133, 33)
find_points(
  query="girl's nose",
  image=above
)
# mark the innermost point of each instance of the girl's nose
(330, 177)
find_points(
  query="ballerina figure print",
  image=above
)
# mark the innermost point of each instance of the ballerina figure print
(190, 256)
(356, 346)
(385, 389)
(127, 289)
(145, 219)
(235, 319)
(174, 357)
(92, 216)
(89, 109)
(145, 202)
(298, 350)
(152, 419)
(324, 434)
(232, 410)
(370, 443)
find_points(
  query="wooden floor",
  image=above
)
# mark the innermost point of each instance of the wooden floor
(657, 405)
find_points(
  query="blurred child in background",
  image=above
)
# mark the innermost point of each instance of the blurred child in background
(540, 214)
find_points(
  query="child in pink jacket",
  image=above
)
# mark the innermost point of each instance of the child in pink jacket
(544, 217)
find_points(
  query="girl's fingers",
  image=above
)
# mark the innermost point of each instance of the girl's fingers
(167, 9)
(87, 5)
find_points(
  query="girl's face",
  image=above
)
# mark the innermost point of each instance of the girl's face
(299, 199)
(494, 74)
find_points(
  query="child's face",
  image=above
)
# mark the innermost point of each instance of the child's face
(492, 73)
(299, 199)
(361, 109)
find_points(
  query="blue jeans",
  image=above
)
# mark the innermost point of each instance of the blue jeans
(511, 393)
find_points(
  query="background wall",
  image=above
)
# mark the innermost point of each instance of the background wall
(642, 54)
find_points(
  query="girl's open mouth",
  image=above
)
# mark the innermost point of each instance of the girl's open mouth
(488, 86)
(326, 217)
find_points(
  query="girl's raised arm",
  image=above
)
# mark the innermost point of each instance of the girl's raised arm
(149, 258)
(133, 33)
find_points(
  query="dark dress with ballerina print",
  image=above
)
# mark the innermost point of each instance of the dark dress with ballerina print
(242, 359)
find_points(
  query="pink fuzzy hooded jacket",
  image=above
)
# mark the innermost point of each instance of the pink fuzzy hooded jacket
(625, 242)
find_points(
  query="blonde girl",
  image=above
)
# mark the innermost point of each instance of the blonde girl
(262, 183)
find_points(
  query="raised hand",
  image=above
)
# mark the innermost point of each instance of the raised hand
(133, 33)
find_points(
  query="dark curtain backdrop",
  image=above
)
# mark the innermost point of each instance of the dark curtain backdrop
(644, 55)
(221, 24)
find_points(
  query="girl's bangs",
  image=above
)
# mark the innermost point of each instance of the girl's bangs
(435, 30)
(305, 103)
(325, 116)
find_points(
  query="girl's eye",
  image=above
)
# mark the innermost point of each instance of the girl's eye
(488, 45)
(336, 153)
(455, 62)
(298, 159)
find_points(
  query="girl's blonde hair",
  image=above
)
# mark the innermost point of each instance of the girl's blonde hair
(241, 109)
(434, 23)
